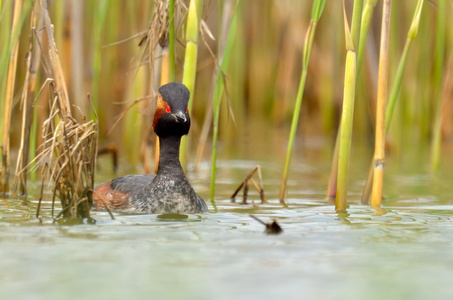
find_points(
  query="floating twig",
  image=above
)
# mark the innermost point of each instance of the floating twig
(271, 228)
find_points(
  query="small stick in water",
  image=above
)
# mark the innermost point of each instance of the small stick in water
(244, 184)
(271, 228)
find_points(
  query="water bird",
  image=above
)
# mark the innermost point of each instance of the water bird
(169, 191)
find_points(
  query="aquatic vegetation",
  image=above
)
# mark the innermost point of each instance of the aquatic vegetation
(258, 59)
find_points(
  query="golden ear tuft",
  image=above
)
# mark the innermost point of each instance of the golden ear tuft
(161, 106)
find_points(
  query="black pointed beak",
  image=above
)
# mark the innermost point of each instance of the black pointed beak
(180, 117)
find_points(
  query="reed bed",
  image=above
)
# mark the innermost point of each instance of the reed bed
(105, 49)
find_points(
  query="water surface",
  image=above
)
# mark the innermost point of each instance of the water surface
(404, 251)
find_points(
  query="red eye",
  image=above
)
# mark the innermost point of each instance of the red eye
(168, 109)
(187, 110)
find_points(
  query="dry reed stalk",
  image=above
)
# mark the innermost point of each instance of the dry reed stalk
(69, 149)
(33, 61)
(57, 71)
(77, 55)
(379, 152)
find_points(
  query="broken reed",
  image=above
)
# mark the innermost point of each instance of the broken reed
(245, 187)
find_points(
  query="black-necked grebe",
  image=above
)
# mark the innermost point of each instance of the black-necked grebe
(168, 191)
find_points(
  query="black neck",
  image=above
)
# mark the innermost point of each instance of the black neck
(169, 155)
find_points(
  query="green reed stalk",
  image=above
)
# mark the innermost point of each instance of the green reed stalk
(365, 27)
(58, 18)
(318, 6)
(353, 38)
(190, 61)
(422, 101)
(97, 58)
(347, 116)
(171, 40)
(438, 70)
(346, 131)
(218, 91)
(192, 35)
(379, 148)
(413, 30)
(356, 21)
(395, 89)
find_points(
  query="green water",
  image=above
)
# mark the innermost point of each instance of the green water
(402, 252)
